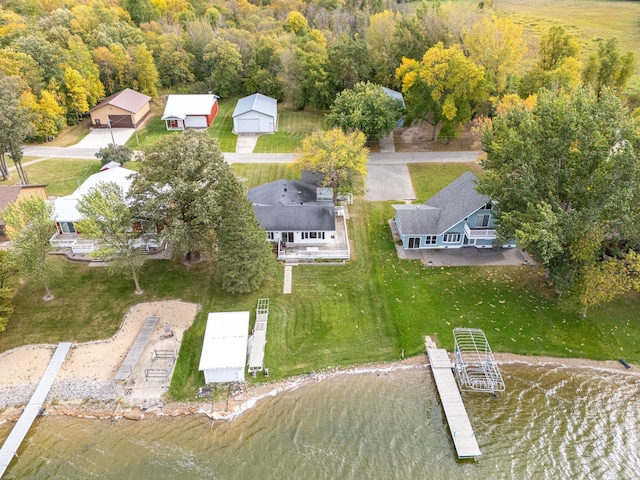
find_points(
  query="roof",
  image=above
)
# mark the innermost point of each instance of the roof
(258, 103)
(449, 206)
(127, 99)
(394, 94)
(9, 194)
(291, 205)
(64, 208)
(285, 193)
(299, 218)
(181, 106)
(225, 341)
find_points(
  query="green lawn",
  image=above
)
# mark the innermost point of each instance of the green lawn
(62, 175)
(293, 126)
(223, 125)
(369, 310)
(429, 181)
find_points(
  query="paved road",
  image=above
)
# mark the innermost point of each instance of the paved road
(396, 158)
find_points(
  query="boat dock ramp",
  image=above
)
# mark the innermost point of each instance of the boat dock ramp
(464, 438)
(33, 408)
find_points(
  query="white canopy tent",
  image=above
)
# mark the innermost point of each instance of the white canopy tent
(224, 350)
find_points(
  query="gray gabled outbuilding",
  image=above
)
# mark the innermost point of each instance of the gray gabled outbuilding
(256, 113)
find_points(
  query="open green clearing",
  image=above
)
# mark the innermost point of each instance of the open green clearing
(369, 310)
(61, 175)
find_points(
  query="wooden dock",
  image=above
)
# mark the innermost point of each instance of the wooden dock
(464, 438)
(33, 408)
(138, 346)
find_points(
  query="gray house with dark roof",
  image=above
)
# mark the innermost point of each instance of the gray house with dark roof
(457, 216)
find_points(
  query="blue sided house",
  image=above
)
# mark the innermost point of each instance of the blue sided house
(457, 216)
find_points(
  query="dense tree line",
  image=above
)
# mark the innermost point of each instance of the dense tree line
(64, 57)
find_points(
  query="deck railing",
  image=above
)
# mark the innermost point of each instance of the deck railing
(480, 232)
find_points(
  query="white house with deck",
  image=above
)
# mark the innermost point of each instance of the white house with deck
(301, 219)
(66, 214)
(224, 348)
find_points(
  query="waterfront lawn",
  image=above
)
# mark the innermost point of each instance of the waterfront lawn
(61, 175)
(370, 310)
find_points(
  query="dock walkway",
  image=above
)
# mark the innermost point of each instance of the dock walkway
(138, 346)
(462, 432)
(256, 357)
(33, 408)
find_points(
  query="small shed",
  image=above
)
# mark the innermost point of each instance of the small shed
(224, 349)
(256, 113)
(190, 111)
(398, 96)
(125, 109)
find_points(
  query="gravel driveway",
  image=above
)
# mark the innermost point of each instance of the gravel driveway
(101, 137)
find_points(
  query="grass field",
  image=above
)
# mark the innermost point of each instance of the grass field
(293, 126)
(61, 175)
(586, 20)
(369, 310)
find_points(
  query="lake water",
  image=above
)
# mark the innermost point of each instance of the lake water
(551, 423)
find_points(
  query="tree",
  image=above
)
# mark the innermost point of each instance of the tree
(8, 272)
(16, 123)
(607, 67)
(367, 108)
(497, 44)
(340, 159)
(565, 177)
(245, 259)
(114, 153)
(350, 62)
(177, 184)
(224, 67)
(108, 218)
(380, 30)
(558, 65)
(77, 93)
(262, 71)
(144, 71)
(555, 47)
(30, 226)
(442, 88)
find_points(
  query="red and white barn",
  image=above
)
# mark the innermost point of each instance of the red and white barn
(190, 111)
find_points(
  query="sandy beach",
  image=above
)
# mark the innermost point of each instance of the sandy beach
(90, 367)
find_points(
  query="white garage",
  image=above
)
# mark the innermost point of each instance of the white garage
(224, 349)
(256, 113)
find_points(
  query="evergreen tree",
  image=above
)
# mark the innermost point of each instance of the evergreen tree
(245, 259)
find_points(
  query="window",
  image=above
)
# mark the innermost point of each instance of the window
(67, 227)
(451, 238)
(430, 240)
(414, 242)
(488, 206)
(482, 220)
(313, 235)
(270, 236)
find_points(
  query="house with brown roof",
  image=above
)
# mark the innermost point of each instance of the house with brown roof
(125, 109)
(15, 193)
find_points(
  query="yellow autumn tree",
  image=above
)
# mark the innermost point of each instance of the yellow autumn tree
(340, 159)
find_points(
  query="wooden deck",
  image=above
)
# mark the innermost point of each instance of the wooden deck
(464, 438)
(33, 408)
(138, 346)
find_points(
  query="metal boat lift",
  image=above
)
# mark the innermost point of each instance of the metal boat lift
(475, 367)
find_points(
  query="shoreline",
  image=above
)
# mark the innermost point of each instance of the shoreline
(109, 405)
